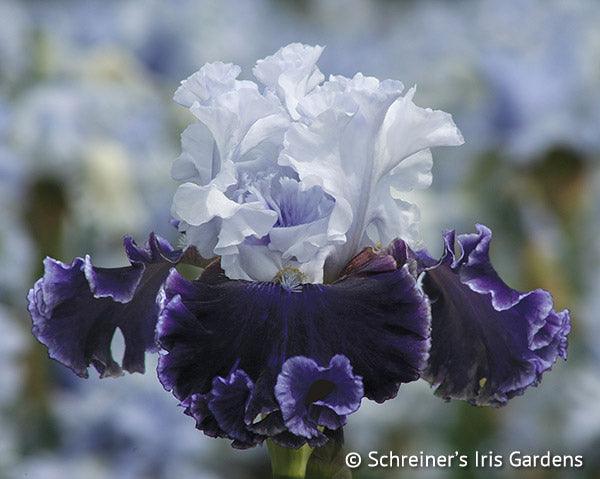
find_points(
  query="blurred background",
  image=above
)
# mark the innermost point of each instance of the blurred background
(88, 131)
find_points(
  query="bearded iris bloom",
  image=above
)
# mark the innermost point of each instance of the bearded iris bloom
(315, 291)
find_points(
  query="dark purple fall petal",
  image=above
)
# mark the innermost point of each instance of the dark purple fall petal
(488, 341)
(380, 322)
(375, 316)
(196, 406)
(76, 308)
(310, 395)
(228, 399)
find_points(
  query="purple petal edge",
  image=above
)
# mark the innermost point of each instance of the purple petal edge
(489, 342)
(310, 395)
(76, 308)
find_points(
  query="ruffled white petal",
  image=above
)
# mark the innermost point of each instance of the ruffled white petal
(259, 263)
(302, 228)
(212, 80)
(408, 129)
(252, 263)
(291, 73)
(251, 220)
(199, 160)
(387, 205)
(197, 205)
(303, 174)
(204, 236)
(239, 133)
(356, 154)
(238, 113)
(298, 239)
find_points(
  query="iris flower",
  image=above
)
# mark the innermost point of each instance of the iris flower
(316, 291)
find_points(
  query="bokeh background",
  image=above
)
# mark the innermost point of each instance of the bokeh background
(88, 131)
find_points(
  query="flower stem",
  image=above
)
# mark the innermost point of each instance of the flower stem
(288, 463)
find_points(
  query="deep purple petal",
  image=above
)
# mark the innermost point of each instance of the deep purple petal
(327, 418)
(375, 315)
(266, 424)
(489, 342)
(76, 308)
(345, 399)
(292, 441)
(228, 400)
(311, 395)
(380, 322)
(196, 406)
(220, 413)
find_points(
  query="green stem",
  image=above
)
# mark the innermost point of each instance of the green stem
(288, 463)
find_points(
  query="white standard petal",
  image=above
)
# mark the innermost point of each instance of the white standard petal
(303, 219)
(204, 237)
(408, 129)
(239, 135)
(302, 242)
(291, 73)
(212, 80)
(252, 220)
(252, 263)
(235, 113)
(242, 119)
(197, 205)
(357, 157)
(297, 241)
(299, 177)
(255, 262)
(199, 160)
